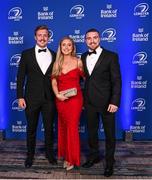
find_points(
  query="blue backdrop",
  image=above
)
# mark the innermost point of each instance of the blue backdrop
(125, 28)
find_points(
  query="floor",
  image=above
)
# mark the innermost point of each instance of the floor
(133, 161)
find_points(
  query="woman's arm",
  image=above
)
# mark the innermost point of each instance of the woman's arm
(60, 96)
(80, 66)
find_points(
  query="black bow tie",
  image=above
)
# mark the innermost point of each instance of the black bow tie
(92, 52)
(41, 50)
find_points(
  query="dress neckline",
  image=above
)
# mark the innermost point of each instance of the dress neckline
(69, 71)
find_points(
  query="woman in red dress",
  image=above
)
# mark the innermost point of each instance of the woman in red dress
(66, 74)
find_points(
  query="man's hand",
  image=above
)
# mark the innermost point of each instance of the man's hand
(112, 108)
(22, 103)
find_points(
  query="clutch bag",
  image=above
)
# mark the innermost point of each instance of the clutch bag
(69, 92)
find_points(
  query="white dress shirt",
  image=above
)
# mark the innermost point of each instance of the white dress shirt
(44, 59)
(92, 59)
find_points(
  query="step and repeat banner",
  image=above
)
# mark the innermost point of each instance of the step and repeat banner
(125, 28)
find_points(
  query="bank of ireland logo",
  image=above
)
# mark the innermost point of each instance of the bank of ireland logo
(109, 35)
(15, 14)
(77, 12)
(141, 10)
(138, 104)
(15, 106)
(140, 58)
(15, 60)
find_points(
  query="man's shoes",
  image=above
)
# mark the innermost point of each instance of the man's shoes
(28, 162)
(52, 161)
(90, 163)
(108, 171)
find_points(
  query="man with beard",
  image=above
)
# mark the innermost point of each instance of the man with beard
(102, 97)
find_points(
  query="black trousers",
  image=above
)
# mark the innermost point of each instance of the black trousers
(108, 120)
(33, 110)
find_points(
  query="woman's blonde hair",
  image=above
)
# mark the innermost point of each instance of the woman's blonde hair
(57, 68)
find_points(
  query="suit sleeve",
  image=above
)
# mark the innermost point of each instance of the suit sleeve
(116, 81)
(21, 76)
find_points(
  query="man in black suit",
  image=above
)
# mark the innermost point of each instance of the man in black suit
(35, 68)
(102, 97)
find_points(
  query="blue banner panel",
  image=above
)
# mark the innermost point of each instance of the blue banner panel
(125, 28)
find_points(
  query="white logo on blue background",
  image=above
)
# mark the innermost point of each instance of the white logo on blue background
(15, 39)
(15, 106)
(141, 10)
(51, 36)
(109, 12)
(140, 58)
(79, 55)
(109, 35)
(138, 104)
(15, 60)
(45, 14)
(15, 14)
(139, 83)
(18, 127)
(77, 11)
(138, 128)
(77, 36)
(141, 36)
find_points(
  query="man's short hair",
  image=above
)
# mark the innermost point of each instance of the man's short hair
(92, 30)
(40, 27)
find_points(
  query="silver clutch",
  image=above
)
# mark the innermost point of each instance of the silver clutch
(69, 92)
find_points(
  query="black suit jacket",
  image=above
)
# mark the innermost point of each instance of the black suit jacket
(37, 85)
(103, 86)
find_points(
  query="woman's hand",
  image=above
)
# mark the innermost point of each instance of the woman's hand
(61, 97)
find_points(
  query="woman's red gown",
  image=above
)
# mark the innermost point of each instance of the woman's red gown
(68, 117)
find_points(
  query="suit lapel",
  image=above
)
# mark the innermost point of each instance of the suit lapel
(85, 64)
(99, 61)
(35, 61)
(37, 65)
(51, 64)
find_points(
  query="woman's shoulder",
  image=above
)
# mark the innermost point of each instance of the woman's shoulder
(79, 63)
(77, 59)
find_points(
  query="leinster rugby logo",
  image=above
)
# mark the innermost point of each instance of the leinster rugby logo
(138, 104)
(79, 55)
(15, 106)
(51, 36)
(77, 12)
(15, 14)
(15, 59)
(141, 10)
(109, 35)
(140, 58)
